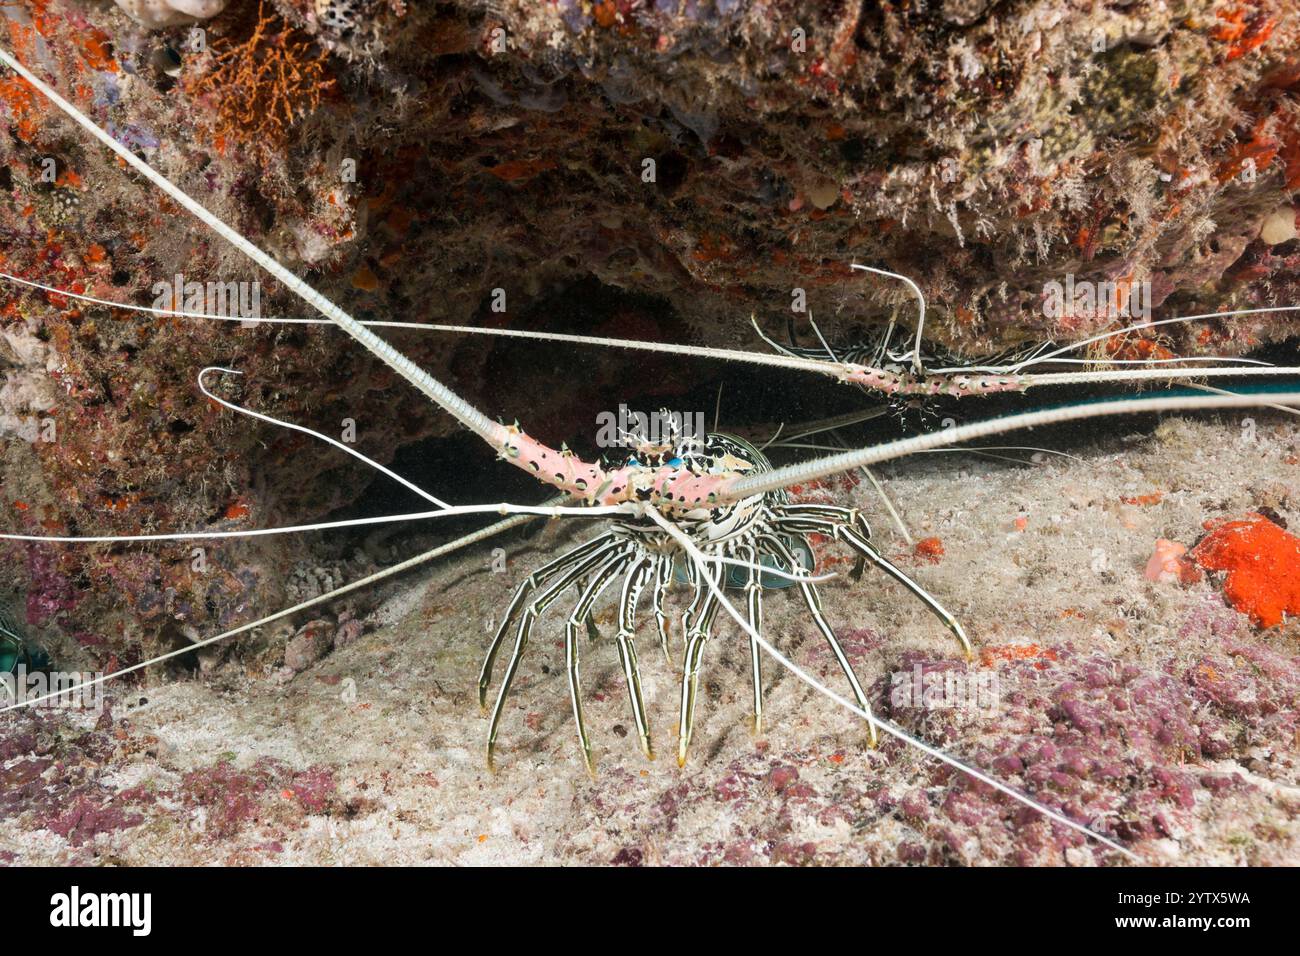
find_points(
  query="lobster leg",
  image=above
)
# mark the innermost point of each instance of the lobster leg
(574, 572)
(754, 601)
(847, 525)
(530, 583)
(864, 547)
(699, 633)
(582, 611)
(633, 585)
(699, 597)
(778, 548)
(663, 578)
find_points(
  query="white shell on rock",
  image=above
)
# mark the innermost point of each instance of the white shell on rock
(1280, 226)
(199, 9)
(156, 14)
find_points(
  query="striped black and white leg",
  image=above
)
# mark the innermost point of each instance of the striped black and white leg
(702, 621)
(633, 585)
(775, 546)
(517, 602)
(663, 579)
(574, 572)
(754, 605)
(601, 579)
(848, 525)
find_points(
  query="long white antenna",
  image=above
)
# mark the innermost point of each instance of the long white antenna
(503, 508)
(1148, 372)
(920, 321)
(1039, 359)
(409, 485)
(832, 464)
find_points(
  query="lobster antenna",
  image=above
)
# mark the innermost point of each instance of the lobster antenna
(1153, 374)
(784, 360)
(700, 351)
(822, 339)
(448, 400)
(1224, 391)
(550, 511)
(1147, 363)
(831, 464)
(776, 346)
(920, 322)
(180, 314)
(1035, 360)
(409, 485)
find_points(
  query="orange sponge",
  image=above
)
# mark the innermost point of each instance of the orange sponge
(1262, 562)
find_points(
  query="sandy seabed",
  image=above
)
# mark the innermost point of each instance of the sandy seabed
(1153, 710)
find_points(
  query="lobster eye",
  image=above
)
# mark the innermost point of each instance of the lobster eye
(674, 462)
(632, 462)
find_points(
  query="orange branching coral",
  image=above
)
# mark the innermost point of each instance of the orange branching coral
(265, 84)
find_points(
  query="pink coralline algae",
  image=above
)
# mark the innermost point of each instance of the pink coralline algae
(48, 781)
(86, 818)
(51, 779)
(1118, 745)
(50, 593)
(233, 798)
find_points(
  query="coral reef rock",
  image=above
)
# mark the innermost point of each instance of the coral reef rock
(157, 14)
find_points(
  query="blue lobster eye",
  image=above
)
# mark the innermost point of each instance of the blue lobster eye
(633, 462)
(674, 462)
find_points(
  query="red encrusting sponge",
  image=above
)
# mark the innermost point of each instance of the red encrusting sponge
(1262, 562)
